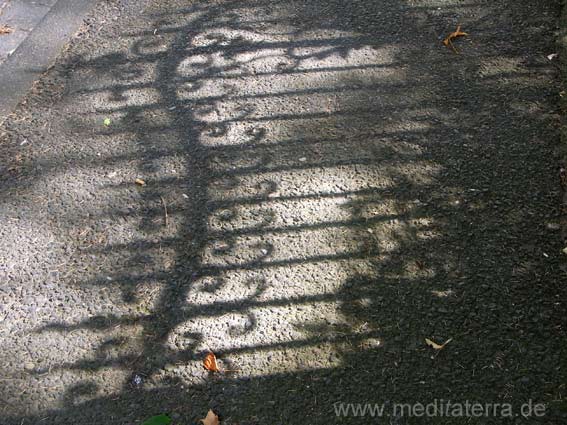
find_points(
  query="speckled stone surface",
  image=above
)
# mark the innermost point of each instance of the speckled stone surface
(326, 185)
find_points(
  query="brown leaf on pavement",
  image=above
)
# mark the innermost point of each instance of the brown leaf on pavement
(436, 346)
(449, 40)
(211, 418)
(210, 362)
(4, 29)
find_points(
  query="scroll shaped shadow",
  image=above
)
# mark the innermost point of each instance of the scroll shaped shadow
(383, 198)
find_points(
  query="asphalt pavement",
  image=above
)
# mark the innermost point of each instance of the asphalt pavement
(337, 205)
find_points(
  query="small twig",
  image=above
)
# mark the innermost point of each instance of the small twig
(165, 216)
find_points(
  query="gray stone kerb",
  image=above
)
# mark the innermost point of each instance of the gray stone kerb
(40, 30)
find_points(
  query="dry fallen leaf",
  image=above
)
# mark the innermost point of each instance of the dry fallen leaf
(442, 294)
(552, 56)
(210, 363)
(436, 346)
(140, 182)
(4, 29)
(449, 40)
(211, 418)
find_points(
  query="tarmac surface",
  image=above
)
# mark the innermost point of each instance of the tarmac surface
(309, 189)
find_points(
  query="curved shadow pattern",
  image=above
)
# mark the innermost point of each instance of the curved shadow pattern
(323, 191)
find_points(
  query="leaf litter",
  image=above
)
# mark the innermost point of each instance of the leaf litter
(210, 419)
(436, 346)
(5, 29)
(210, 362)
(455, 34)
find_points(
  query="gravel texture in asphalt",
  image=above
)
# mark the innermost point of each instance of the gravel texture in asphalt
(325, 185)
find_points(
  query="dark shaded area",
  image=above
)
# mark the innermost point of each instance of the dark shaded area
(472, 260)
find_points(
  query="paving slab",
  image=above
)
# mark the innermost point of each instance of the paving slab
(320, 192)
(39, 31)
